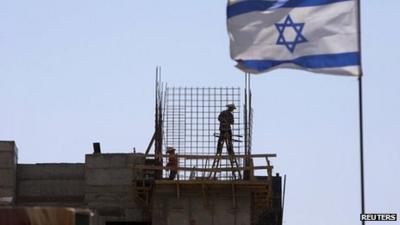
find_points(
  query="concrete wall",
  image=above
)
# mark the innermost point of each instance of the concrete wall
(192, 208)
(105, 184)
(8, 162)
(109, 187)
(61, 184)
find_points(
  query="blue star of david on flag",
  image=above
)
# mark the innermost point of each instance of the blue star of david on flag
(297, 28)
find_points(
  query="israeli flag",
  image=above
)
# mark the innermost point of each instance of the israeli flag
(316, 35)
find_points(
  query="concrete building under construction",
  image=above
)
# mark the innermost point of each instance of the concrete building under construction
(133, 188)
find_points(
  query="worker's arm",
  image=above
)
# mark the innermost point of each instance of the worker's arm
(221, 117)
(231, 118)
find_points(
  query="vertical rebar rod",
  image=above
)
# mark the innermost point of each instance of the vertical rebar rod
(250, 118)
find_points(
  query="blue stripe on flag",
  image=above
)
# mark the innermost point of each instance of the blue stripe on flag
(310, 62)
(253, 5)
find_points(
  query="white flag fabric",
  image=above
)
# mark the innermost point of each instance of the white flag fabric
(316, 35)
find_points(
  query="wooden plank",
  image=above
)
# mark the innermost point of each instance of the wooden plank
(151, 167)
(238, 183)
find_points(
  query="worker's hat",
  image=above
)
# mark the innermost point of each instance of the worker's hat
(231, 106)
(170, 149)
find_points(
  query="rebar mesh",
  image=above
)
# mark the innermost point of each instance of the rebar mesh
(191, 126)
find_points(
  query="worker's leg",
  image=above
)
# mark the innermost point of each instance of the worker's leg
(229, 145)
(231, 153)
(220, 143)
(228, 140)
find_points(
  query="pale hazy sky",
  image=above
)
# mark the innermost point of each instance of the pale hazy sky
(75, 72)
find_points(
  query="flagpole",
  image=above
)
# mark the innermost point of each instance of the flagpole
(360, 106)
(360, 102)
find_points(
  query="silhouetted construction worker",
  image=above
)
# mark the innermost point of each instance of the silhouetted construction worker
(172, 162)
(226, 119)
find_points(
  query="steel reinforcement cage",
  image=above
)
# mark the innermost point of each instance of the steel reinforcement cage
(187, 119)
(191, 126)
